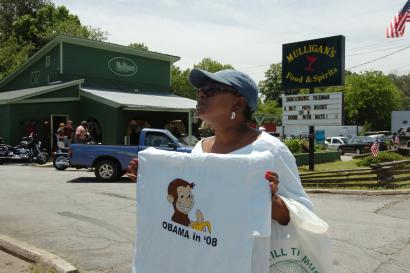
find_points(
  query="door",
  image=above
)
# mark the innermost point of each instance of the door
(55, 124)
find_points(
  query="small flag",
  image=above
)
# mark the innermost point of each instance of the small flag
(375, 148)
(398, 23)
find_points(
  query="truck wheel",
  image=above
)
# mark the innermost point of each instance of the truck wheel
(106, 170)
(341, 151)
(59, 162)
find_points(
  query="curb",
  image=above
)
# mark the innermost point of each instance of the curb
(34, 254)
(359, 192)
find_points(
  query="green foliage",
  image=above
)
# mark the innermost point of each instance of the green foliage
(320, 147)
(210, 65)
(10, 10)
(383, 156)
(271, 108)
(26, 26)
(294, 145)
(180, 84)
(369, 99)
(141, 46)
(271, 86)
(12, 54)
(403, 84)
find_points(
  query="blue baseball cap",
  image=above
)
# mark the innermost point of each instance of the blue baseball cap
(241, 82)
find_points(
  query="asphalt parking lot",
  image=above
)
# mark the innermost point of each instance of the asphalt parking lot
(92, 224)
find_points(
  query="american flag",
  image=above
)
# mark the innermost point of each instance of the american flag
(398, 23)
(375, 148)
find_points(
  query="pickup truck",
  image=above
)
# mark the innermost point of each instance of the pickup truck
(110, 161)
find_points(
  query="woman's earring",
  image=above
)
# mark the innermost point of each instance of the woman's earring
(233, 115)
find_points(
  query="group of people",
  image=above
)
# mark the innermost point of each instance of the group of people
(70, 135)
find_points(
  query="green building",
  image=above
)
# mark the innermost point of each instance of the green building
(105, 84)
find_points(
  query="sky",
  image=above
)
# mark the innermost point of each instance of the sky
(249, 34)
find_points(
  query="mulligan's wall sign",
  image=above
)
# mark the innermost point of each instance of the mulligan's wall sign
(313, 63)
(122, 66)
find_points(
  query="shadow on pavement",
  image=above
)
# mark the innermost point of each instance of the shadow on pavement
(121, 180)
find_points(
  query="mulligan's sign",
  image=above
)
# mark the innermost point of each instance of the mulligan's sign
(313, 63)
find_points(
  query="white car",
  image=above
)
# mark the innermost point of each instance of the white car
(333, 143)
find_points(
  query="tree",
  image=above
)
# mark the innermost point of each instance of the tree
(210, 65)
(12, 54)
(48, 21)
(141, 46)
(271, 86)
(369, 99)
(270, 107)
(11, 10)
(180, 84)
(403, 83)
(26, 26)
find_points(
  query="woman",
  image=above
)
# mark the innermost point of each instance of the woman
(226, 101)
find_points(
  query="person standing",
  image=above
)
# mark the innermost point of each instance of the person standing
(226, 100)
(81, 133)
(69, 131)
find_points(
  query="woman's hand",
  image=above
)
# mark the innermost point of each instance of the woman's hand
(273, 180)
(280, 212)
(132, 169)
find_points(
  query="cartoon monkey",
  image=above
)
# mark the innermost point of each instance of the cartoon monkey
(181, 197)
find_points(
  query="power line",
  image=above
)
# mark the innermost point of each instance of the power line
(373, 51)
(376, 59)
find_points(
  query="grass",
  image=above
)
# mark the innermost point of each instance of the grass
(337, 165)
(357, 185)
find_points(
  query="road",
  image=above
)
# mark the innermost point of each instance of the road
(92, 224)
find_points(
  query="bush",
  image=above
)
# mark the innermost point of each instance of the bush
(383, 156)
(294, 145)
(297, 146)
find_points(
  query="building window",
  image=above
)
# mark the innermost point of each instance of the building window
(48, 61)
(35, 77)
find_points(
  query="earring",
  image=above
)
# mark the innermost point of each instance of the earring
(233, 115)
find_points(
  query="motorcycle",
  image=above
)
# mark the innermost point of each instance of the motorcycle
(29, 150)
(62, 156)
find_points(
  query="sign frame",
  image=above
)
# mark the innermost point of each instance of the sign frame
(313, 63)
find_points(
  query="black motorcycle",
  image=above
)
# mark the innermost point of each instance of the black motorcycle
(29, 150)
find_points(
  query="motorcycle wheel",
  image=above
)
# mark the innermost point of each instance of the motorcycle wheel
(59, 162)
(42, 158)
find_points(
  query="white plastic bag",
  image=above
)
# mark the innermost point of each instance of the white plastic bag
(301, 246)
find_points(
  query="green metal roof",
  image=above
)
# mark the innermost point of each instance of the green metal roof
(22, 94)
(62, 38)
(139, 101)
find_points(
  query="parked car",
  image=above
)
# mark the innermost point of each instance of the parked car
(361, 145)
(404, 132)
(111, 161)
(333, 143)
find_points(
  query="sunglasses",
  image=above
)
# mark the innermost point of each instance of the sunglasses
(212, 90)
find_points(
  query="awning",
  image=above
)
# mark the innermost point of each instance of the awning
(24, 94)
(140, 101)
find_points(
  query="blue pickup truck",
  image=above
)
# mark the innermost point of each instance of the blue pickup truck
(111, 161)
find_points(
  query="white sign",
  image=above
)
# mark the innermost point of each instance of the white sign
(313, 109)
(122, 66)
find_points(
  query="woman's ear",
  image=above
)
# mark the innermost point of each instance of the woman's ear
(240, 105)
